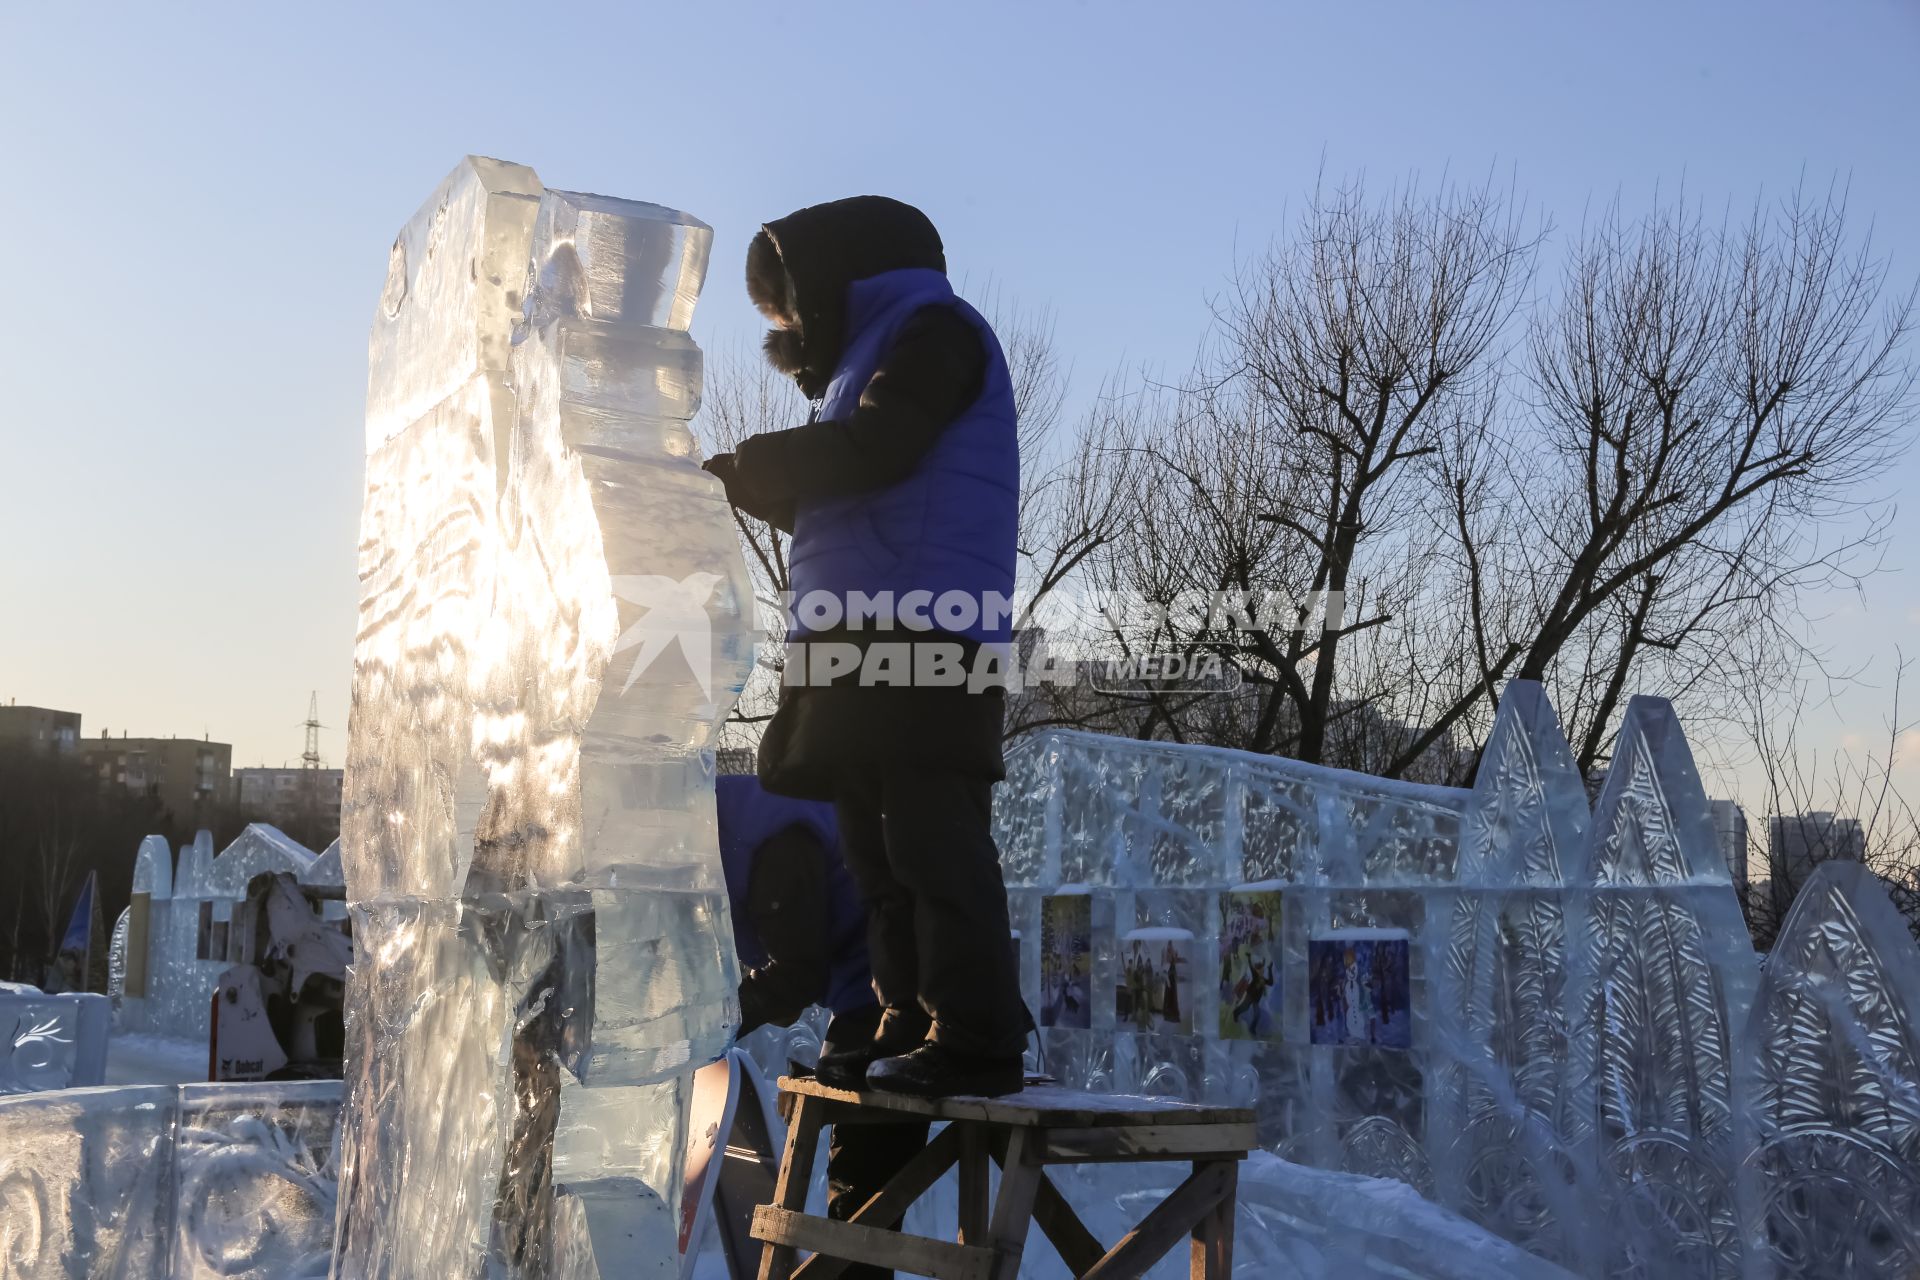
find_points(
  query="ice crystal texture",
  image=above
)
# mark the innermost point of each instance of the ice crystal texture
(555, 618)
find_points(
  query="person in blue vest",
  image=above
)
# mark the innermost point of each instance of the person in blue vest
(801, 934)
(798, 925)
(902, 496)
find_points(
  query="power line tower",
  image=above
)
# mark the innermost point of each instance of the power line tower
(310, 771)
(310, 758)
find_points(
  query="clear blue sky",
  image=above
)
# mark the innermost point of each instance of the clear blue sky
(198, 202)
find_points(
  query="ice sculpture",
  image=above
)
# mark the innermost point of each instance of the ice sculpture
(1572, 977)
(1831, 1059)
(168, 1182)
(555, 617)
(179, 927)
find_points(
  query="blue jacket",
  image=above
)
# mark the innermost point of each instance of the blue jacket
(952, 524)
(749, 816)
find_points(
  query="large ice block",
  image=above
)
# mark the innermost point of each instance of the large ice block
(163, 1182)
(86, 1182)
(555, 619)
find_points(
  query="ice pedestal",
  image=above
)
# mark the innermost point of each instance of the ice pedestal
(555, 618)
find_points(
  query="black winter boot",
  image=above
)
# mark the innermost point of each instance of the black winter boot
(855, 1041)
(935, 1071)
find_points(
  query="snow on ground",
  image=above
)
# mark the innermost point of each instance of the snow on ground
(147, 1059)
(1294, 1223)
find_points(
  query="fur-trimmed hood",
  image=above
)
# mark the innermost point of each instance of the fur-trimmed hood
(799, 267)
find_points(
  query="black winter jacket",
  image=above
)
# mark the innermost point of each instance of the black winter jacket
(798, 270)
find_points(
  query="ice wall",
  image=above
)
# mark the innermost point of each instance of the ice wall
(1830, 1059)
(555, 618)
(1571, 1073)
(165, 1182)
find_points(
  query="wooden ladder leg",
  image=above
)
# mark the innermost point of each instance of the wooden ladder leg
(777, 1261)
(1013, 1209)
(973, 1183)
(1213, 1234)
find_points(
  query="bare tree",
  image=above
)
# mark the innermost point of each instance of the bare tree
(1347, 361)
(58, 823)
(1714, 400)
(1641, 493)
(1819, 806)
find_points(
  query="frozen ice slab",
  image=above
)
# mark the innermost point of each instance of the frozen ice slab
(254, 1180)
(86, 1182)
(1831, 1060)
(1661, 967)
(1500, 1085)
(52, 1041)
(555, 619)
(168, 1183)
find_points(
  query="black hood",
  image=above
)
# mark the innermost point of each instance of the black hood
(823, 249)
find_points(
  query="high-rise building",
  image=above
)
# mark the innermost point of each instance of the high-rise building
(1797, 843)
(1730, 831)
(39, 729)
(188, 776)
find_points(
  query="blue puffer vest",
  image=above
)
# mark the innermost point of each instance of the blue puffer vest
(951, 525)
(749, 817)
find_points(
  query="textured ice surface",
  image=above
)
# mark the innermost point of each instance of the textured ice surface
(1576, 1080)
(1831, 1062)
(237, 1180)
(168, 1183)
(555, 618)
(52, 1041)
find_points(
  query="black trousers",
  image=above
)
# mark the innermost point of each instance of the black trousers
(920, 846)
(862, 1158)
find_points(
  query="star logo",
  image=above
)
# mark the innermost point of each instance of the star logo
(676, 613)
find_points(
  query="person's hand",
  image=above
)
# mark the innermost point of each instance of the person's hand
(722, 465)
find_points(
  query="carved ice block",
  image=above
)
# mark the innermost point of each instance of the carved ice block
(555, 618)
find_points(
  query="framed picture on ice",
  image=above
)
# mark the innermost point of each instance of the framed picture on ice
(1155, 987)
(1358, 988)
(1250, 964)
(1066, 961)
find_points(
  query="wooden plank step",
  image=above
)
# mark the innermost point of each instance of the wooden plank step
(1041, 1106)
(916, 1255)
(1146, 1142)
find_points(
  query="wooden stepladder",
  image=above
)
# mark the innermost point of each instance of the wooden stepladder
(1023, 1134)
